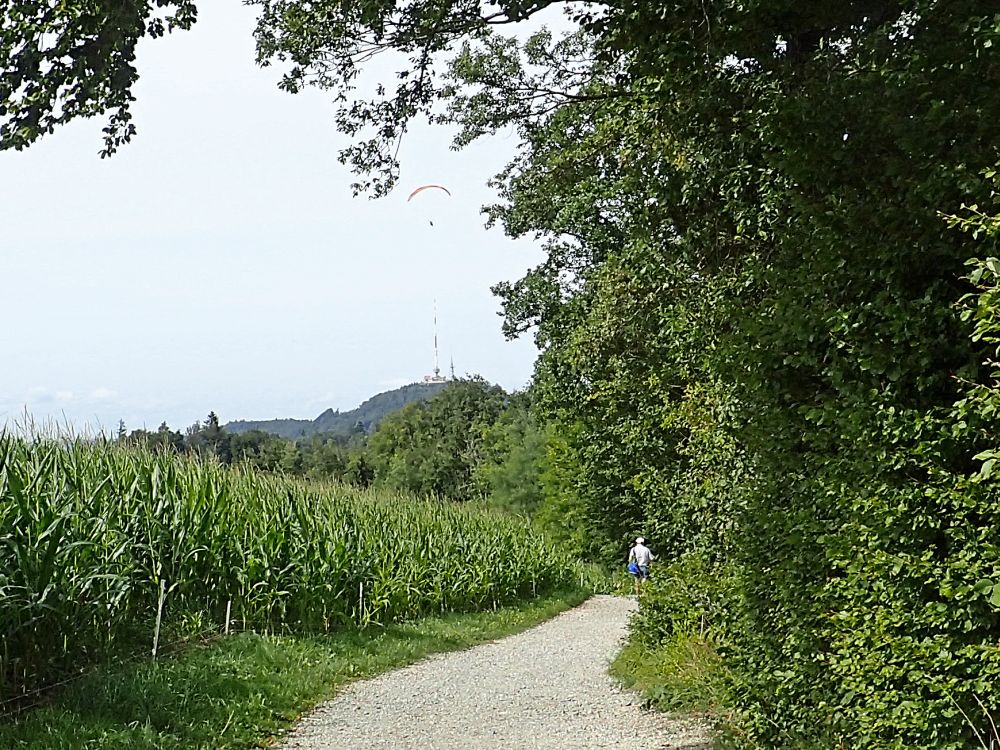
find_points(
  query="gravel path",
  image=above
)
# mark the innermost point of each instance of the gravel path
(544, 688)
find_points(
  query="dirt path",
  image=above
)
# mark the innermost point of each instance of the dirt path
(544, 688)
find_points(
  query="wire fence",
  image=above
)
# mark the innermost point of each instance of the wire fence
(12, 706)
(24, 700)
(15, 702)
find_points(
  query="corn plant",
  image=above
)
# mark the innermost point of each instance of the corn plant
(90, 531)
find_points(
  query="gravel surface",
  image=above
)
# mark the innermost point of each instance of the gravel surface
(544, 688)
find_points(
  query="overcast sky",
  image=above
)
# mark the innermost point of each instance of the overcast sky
(220, 263)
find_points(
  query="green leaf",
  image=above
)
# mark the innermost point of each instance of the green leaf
(986, 471)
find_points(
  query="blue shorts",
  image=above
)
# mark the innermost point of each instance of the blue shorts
(639, 571)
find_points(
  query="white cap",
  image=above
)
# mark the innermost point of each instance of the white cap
(639, 540)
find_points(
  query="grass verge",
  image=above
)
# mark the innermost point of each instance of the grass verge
(242, 691)
(682, 675)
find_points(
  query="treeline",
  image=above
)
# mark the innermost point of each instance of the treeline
(472, 440)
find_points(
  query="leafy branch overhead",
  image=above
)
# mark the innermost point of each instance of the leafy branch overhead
(328, 44)
(64, 60)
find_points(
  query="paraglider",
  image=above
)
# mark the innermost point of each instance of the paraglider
(428, 187)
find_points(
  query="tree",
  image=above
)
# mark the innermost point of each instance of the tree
(259, 449)
(61, 61)
(433, 447)
(169, 439)
(359, 470)
(291, 458)
(209, 438)
(513, 457)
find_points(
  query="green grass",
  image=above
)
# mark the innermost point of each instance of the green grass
(683, 675)
(242, 691)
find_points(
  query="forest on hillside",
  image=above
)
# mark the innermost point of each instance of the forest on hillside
(768, 312)
(364, 418)
(470, 441)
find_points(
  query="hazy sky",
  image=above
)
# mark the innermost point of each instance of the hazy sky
(219, 261)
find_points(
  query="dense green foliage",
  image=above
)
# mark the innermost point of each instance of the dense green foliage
(432, 446)
(514, 456)
(90, 533)
(239, 692)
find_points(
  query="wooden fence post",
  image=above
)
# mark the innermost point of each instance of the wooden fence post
(159, 616)
(361, 603)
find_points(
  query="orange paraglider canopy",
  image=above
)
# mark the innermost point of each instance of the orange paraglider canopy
(428, 187)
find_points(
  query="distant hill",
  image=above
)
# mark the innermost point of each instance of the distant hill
(369, 414)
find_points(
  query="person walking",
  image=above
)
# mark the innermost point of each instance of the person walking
(639, 558)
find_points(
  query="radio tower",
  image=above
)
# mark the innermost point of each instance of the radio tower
(436, 377)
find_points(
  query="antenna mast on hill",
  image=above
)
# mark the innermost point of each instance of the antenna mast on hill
(437, 370)
(436, 377)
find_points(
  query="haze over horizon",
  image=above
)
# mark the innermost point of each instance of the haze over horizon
(219, 262)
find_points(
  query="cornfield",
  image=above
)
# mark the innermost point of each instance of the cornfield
(92, 533)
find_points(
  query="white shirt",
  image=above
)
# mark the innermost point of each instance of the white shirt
(640, 554)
